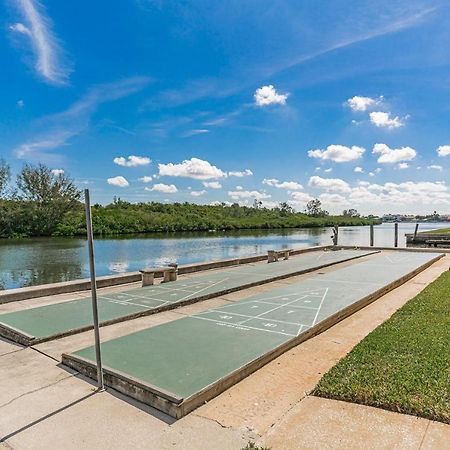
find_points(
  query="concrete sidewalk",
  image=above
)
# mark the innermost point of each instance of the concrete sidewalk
(44, 406)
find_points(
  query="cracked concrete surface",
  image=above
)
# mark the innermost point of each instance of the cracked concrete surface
(42, 405)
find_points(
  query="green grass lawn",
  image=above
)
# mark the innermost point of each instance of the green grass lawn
(438, 231)
(404, 364)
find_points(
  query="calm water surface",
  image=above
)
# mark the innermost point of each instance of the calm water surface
(36, 261)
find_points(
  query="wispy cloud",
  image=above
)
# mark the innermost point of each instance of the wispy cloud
(56, 130)
(51, 63)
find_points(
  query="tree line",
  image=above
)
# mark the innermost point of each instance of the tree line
(43, 202)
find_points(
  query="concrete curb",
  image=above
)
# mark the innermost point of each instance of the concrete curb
(65, 287)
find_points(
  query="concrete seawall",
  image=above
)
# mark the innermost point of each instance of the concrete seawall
(65, 287)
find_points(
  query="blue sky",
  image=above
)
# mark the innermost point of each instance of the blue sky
(206, 101)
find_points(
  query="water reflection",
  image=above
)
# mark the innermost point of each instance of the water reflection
(46, 260)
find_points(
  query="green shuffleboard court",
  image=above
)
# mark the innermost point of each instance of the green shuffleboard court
(61, 319)
(179, 365)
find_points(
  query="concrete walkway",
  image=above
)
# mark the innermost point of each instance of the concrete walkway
(44, 406)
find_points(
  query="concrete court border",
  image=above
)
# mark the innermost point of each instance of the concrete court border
(66, 287)
(178, 407)
(23, 338)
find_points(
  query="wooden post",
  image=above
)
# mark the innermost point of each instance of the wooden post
(415, 232)
(335, 236)
(371, 236)
(396, 234)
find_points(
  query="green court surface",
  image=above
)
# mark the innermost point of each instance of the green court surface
(183, 363)
(59, 319)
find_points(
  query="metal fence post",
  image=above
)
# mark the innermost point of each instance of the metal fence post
(90, 238)
(396, 234)
(371, 236)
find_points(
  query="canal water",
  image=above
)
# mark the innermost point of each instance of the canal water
(28, 262)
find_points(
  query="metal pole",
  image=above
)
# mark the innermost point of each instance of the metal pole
(371, 236)
(415, 232)
(90, 237)
(396, 234)
(335, 235)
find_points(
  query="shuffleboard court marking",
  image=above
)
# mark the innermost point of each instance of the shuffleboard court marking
(271, 310)
(242, 327)
(320, 307)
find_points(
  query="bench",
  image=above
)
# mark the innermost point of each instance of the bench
(169, 274)
(273, 255)
(437, 242)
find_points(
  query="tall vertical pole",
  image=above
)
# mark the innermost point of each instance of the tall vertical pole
(371, 236)
(90, 238)
(396, 234)
(415, 232)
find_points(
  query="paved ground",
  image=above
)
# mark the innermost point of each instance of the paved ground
(185, 356)
(44, 407)
(58, 318)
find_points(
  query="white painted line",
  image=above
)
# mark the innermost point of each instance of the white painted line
(249, 317)
(319, 308)
(271, 310)
(234, 325)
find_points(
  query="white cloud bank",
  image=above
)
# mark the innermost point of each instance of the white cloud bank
(443, 150)
(384, 120)
(118, 181)
(393, 155)
(290, 185)
(338, 153)
(192, 168)
(245, 195)
(267, 95)
(212, 184)
(165, 188)
(50, 63)
(198, 193)
(358, 103)
(146, 179)
(329, 184)
(58, 172)
(132, 161)
(244, 173)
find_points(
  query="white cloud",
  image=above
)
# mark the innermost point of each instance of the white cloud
(46, 46)
(338, 153)
(371, 174)
(329, 184)
(58, 172)
(358, 103)
(383, 119)
(161, 187)
(245, 173)
(132, 161)
(358, 170)
(212, 184)
(300, 198)
(393, 155)
(118, 181)
(240, 195)
(239, 188)
(146, 179)
(267, 95)
(443, 150)
(195, 132)
(328, 170)
(402, 165)
(333, 199)
(377, 170)
(191, 168)
(20, 104)
(198, 193)
(291, 185)
(435, 167)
